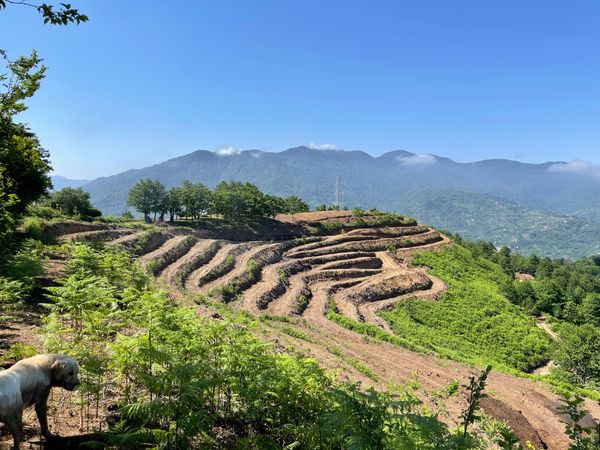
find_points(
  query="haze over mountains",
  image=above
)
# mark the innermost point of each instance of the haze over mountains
(551, 209)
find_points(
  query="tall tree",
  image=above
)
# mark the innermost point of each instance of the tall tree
(195, 199)
(24, 164)
(173, 202)
(147, 196)
(73, 202)
(294, 205)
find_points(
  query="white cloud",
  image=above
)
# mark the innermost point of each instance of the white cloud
(228, 151)
(416, 160)
(577, 167)
(315, 146)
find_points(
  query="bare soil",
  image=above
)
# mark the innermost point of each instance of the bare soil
(356, 271)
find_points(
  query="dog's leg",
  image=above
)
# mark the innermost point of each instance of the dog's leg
(15, 426)
(41, 409)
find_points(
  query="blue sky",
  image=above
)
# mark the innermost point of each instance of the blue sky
(146, 81)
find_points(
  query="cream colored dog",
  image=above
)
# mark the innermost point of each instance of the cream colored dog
(27, 383)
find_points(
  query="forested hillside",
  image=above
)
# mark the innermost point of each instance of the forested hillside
(532, 208)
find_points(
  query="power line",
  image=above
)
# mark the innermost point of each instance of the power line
(338, 191)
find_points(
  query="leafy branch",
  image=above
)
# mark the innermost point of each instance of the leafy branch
(64, 15)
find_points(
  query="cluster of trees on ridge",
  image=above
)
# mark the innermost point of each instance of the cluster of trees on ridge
(232, 200)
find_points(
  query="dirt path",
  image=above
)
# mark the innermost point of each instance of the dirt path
(99, 235)
(193, 281)
(163, 249)
(127, 239)
(544, 325)
(245, 253)
(169, 275)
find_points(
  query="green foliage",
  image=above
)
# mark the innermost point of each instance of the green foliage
(147, 196)
(11, 291)
(233, 201)
(578, 353)
(18, 351)
(293, 205)
(183, 381)
(24, 164)
(300, 304)
(41, 210)
(18, 271)
(157, 265)
(127, 215)
(195, 199)
(473, 321)
(362, 368)
(543, 231)
(374, 331)
(73, 202)
(219, 270)
(62, 16)
(566, 289)
(582, 437)
(358, 212)
(391, 248)
(296, 334)
(242, 202)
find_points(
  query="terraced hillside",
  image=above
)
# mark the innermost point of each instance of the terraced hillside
(294, 285)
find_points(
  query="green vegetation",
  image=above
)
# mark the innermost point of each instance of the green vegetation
(504, 222)
(24, 164)
(234, 201)
(300, 303)
(375, 220)
(64, 15)
(583, 437)
(578, 355)
(473, 321)
(560, 289)
(73, 202)
(181, 381)
(367, 372)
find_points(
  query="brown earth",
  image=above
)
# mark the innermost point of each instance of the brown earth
(357, 272)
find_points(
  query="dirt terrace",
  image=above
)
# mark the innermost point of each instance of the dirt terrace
(362, 272)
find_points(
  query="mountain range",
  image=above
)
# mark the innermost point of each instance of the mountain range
(550, 209)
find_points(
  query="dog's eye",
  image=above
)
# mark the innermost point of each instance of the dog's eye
(71, 372)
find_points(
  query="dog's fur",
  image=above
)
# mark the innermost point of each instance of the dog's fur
(27, 383)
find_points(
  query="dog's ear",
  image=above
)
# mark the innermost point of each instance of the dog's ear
(58, 368)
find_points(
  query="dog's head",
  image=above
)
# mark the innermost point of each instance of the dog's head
(65, 371)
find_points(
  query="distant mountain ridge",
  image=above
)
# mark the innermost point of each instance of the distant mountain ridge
(59, 182)
(529, 199)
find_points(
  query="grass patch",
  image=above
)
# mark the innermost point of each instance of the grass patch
(366, 371)
(473, 321)
(218, 271)
(297, 334)
(273, 318)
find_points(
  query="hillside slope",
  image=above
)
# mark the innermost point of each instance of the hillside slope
(533, 198)
(325, 296)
